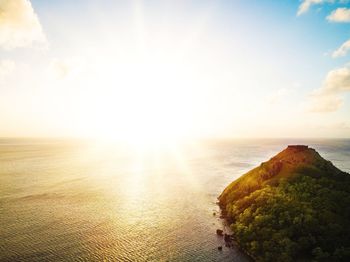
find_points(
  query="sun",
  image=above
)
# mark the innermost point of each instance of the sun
(146, 104)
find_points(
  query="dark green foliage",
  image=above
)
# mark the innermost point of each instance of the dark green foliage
(302, 216)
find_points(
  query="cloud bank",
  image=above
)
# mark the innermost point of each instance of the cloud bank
(342, 50)
(19, 25)
(306, 4)
(340, 15)
(329, 97)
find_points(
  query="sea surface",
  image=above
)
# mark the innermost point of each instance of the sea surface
(64, 200)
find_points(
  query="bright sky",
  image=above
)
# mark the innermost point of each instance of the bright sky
(171, 69)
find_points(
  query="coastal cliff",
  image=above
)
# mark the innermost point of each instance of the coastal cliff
(294, 207)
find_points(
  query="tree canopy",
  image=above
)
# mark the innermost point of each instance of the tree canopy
(294, 207)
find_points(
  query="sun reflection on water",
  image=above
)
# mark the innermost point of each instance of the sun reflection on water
(106, 201)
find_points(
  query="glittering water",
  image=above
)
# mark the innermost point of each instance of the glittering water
(64, 200)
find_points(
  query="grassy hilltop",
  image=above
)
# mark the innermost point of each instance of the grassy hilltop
(294, 207)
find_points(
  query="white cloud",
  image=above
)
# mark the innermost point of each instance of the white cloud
(337, 126)
(328, 98)
(342, 50)
(19, 25)
(341, 125)
(6, 67)
(341, 15)
(306, 4)
(326, 103)
(280, 95)
(337, 80)
(61, 68)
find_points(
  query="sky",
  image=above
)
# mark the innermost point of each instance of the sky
(153, 70)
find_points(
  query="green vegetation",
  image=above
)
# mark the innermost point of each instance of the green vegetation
(295, 207)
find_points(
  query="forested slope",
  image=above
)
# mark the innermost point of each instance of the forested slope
(296, 206)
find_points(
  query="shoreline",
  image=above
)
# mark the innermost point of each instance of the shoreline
(236, 244)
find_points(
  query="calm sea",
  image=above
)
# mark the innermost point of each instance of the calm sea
(72, 201)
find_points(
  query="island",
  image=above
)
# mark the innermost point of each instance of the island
(294, 207)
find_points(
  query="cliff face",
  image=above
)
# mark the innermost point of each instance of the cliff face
(294, 206)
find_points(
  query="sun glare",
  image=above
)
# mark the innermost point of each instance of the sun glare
(148, 105)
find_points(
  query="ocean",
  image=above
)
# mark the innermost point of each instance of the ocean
(65, 200)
